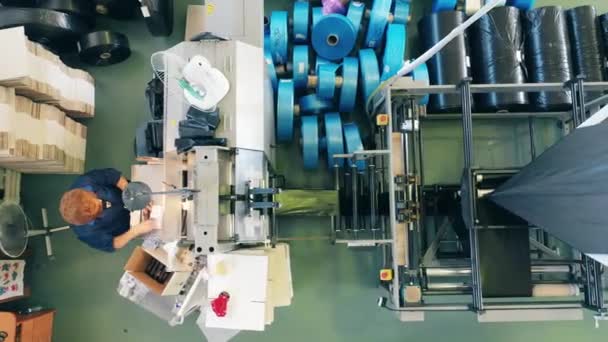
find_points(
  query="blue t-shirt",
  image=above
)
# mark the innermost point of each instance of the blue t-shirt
(114, 220)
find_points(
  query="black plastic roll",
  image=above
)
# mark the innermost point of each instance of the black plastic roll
(603, 22)
(104, 48)
(158, 15)
(587, 54)
(547, 50)
(18, 3)
(56, 30)
(496, 58)
(117, 9)
(81, 8)
(448, 66)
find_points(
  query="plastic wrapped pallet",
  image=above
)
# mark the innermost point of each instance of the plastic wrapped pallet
(40, 75)
(7, 112)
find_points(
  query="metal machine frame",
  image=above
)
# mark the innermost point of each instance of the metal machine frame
(396, 167)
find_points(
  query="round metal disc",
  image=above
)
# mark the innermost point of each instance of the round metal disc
(401, 12)
(394, 51)
(13, 230)
(326, 84)
(353, 143)
(421, 73)
(278, 36)
(285, 104)
(333, 139)
(314, 104)
(370, 79)
(377, 23)
(301, 18)
(270, 69)
(137, 196)
(333, 37)
(317, 13)
(310, 142)
(355, 13)
(350, 76)
(301, 65)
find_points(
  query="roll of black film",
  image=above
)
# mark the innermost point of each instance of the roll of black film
(603, 22)
(586, 46)
(547, 51)
(448, 66)
(496, 42)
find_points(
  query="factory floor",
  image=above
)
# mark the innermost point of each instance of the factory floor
(335, 288)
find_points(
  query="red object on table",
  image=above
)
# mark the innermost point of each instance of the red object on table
(220, 304)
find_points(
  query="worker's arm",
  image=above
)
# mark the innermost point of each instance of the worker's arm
(122, 183)
(135, 231)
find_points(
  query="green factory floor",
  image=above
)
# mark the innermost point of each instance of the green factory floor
(335, 288)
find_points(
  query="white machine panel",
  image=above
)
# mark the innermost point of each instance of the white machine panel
(243, 111)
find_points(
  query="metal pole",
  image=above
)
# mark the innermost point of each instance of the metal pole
(467, 126)
(372, 195)
(575, 108)
(355, 179)
(532, 135)
(580, 80)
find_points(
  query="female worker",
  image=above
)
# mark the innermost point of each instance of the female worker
(94, 208)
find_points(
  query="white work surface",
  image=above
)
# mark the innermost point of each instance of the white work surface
(244, 278)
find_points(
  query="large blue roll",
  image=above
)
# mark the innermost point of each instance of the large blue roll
(270, 69)
(285, 105)
(317, 13)
(326, 81)
(355, 13)
(333, 37)
(300, 66)
(350, 77)
(394, 51)
(370, 77)
(301, 18)
(266, 25)
(333, 139)
(421, 73)
(320, 61)
(401, 11)
(353, 143)
(377, 23)
(278, 36)
(310, 142)
(443, 5)
(314, 104)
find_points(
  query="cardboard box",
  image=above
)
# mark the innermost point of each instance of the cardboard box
(140, 258)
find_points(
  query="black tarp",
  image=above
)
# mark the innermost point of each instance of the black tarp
(565, 190)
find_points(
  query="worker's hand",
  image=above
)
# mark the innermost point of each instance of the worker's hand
(147, 211)
(145, 227)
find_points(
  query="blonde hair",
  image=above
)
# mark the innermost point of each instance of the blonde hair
(79, 206)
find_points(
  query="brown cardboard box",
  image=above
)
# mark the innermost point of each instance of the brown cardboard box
(136, 266)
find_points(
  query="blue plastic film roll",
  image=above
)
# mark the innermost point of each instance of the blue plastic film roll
(310, 141)
(301, 20)
(266, 25)
(270, 69)
(320, 61)
(443, 5)
(333, 139)
(285, 105)
(394, 50)
(370, 77)
(317, 13)
(421, 73)
(377, 23)
(350, 79)
(353, 143)
(521, 4)
(355, 13)
(314, 104)
(278, 36)
(333, 37)
(300, 66)
(326, 81)
(401, 11)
